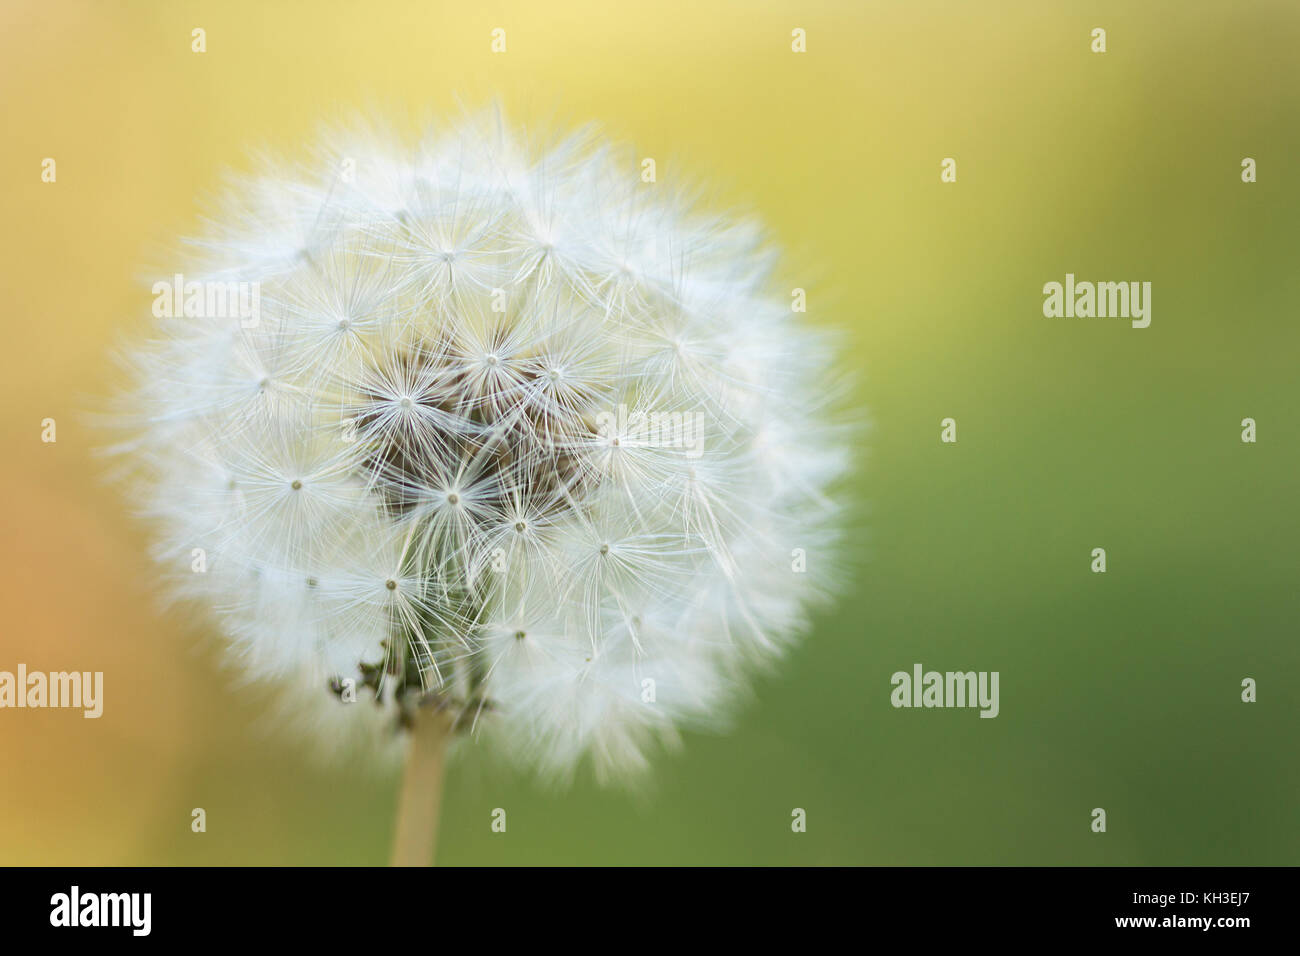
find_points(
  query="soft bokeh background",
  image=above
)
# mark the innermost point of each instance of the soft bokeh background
(1118, 690)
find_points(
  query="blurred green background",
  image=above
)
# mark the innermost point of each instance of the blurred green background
(1118, 690)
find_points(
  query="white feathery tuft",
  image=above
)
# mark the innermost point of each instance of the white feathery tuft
(513, 433)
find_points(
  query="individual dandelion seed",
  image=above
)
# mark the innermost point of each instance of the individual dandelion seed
(517, 445)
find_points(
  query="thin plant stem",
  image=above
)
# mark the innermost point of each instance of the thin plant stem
(415, 836)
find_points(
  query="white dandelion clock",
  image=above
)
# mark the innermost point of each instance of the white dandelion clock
(513, 446)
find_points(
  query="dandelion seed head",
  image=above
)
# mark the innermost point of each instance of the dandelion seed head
(514, 434)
